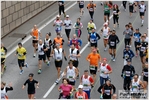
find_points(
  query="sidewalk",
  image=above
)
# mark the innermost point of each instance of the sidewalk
(21, 32)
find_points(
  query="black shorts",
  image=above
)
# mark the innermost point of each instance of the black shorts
(75, 63)
(94, 45)
(107, 14)
(31, 92)
(35, 41)
(93, 71)
(112, 47)
(71, 83)
(42, 57)
(142, 54)
(146, 59)
(21, 62)
(81, 6)
(58, 63)
(136, 44)
(145, 79)
(2, 60)
(48, 53)
(131, 9)
(142, 13)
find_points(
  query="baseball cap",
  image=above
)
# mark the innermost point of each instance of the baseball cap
(67, 15)
(80, 86)
(137, 29)
(57, 16)
(127, 46)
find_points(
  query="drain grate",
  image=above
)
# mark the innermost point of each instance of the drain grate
(18, 35)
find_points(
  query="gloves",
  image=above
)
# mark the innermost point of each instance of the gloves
(65, 58)
(69, 24)
(121, 75)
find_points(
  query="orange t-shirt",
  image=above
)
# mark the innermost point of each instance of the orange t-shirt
(81, 96)
(36, 33)
(94, 59)
(59, 41)
(91, 7)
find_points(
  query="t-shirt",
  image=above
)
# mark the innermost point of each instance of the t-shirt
(31, 84)
(91, 7)
(106, 8)
(21, 53)
(113, 40)
(94, 59)
(66, 89)
(115, 12)
(137, 37)
(77, 95)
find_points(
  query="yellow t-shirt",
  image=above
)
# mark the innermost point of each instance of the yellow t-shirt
(3, 53)
(21, 52)
(90, 25)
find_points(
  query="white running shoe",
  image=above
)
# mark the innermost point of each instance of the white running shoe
(114, 59)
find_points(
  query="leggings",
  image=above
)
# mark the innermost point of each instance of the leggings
(124, 4)
(115, 19)
(91, 14)
(67, 31)
(61, 9)
(127, 42)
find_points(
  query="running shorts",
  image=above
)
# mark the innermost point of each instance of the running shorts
(107, 14)
(21, 62)
(136, 44)
(71, 83)
(93, 71)
(81, 6)
(35, 41)
(75, 63)
(145, 79)
(42, 57)
(142, 13)
(142, 54)
(58, 63)
(31, 91)
(94, 45)
(131, 9)
(112, 47)
(48, 53)
(2, 60)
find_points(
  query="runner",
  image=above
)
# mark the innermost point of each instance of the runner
(42, 55)
(113, 41)
(21, 52)
(58, 23)
(145, 76)
(78, 26)
(107, 8)
(91, 25)
(135, 86)
(136, 4)
(74, 55)
(146, 37)
(105, 70)
(58, 53)
(58, 40)
(3, 58)
(91, 8)
(81, 94)
(93, 38)
(77, 42)
(65, 89)
(131, 7)
(61, 8)
(146, 55)
(116, 13)
(137, 36)
(142, 8)
(71, 72)
(128, 33)
(105, 32)
(124, 4)
(107, 90)
(35, 33)
(5, 89)
(31, 86)
(48, 44)
(142, 49)
(81, 6)
(67, 24)
(132, 31)
(93, 58)
(127, 73)
(87, 82)
(127, 54)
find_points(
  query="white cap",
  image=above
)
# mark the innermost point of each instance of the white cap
(80, 86)
(67, 15)
(57, 16)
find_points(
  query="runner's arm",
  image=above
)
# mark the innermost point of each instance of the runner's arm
(132, 54)
(9, 88)
(76, 71)
(117, 39)
(98, 37)
(74, 26)
(65, 71)
(88, 58)
(81, 80)
(80, 42)
(114, 89)
(123, 71)
(78, 54)
(110, 69)
(24, 84)
(141, 84)
(133, 70)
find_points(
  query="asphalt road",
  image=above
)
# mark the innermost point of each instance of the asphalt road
(49, 74)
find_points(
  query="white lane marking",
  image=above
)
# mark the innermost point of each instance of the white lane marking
(29, 36)
(82, 50)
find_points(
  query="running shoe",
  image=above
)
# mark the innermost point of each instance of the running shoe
(34, 55)
(111, 57)
(57, 81)
(105, 49)
(39, 71)
(21, 72)
(48, 63)
(26, 65)
(114, 59)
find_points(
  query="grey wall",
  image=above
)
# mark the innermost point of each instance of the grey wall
(14, 13)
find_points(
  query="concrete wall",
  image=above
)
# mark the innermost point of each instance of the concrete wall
(14, 13)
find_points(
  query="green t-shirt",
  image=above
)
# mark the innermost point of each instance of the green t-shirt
(106, 9)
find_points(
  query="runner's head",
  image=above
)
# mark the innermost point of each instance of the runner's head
(49, 33)
(143, 38)
(93, 30)
(86, 73)
(58, 35)
(113, 32)
(91, 20)
(127, 47)
(115, 6)
(105, 24)
(35, 27)
(104, 60)
(145, 34)
(74, 36)
(70, 63)
(3, 84)
(135, 77)
(57, 17)
(31, 76)
(78, 20)
(19, 44)
(137, 30)
(67, 17)
(47, 36)
(106, 2)
(108, 81)
(65, 81)
(128, 61)
(130, 24)
(142, 2)
(94, 51)
(127, 26)
(40, 42)
(91, 2)
(114, 96)
(73, 46)
(80, 87)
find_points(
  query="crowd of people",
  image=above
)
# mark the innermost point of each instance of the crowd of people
(48, 49)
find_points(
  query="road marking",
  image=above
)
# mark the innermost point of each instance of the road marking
(29, 36)
(116, 50)
(82, 50)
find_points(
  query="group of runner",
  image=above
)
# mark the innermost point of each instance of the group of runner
(48, 49)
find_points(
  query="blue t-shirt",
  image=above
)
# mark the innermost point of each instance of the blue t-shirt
(137, 37)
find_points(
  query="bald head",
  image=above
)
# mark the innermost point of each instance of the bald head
(35, 26)
(40, 41)
(74, 35)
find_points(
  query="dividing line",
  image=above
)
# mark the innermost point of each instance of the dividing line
(116, 52)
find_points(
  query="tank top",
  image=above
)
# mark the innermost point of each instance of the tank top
(145, 72)
(58, 55)
(135, 86)
(47, 42)
(3, 93)
(36, 33)
(142, 8)
(71, 74)
(81, 3)
(40, 49)
(80, 96)
(105, 33)
(74, 52)
(3, 55)
(93, 38)
(103, 69)
(59, 41)
(85, 83)
(106, 9)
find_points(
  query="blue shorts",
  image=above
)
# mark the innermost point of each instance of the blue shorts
(88, 93)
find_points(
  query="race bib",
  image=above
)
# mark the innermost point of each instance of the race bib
(91, 9)
(136, 39)
(2, 53)
(127, 73)
(112, 43)
(126, 56)
(92, 67)
(105, 36)
(107, 92)
(106, 9)
(80, 97)
(92, 41)
(143, 48)
(114, 12)
(20, 55)
(146, 74)
(85, 85)
(58, 58)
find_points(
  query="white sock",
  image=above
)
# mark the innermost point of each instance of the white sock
(142, 21)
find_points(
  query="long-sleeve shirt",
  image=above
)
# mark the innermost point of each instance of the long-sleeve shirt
(8, 88)
(128, 33)
(128, 71)
(128, 54)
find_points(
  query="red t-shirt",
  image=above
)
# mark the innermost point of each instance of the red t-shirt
(66, 89)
